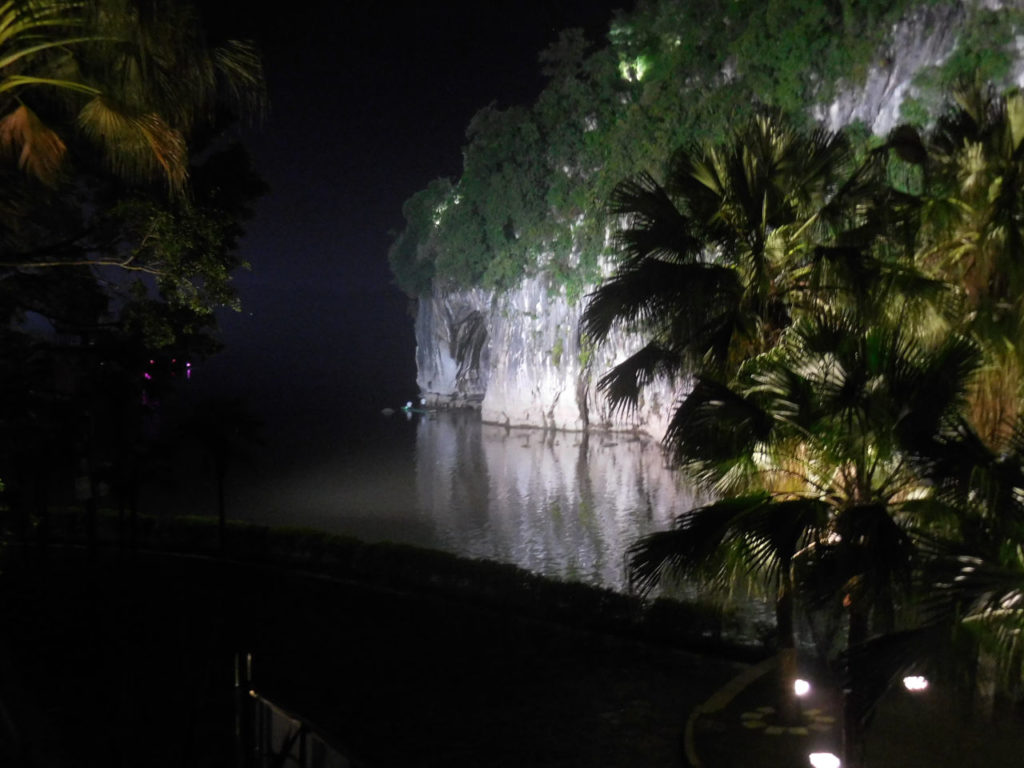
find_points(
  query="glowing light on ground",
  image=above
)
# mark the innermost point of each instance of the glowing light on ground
(915, 683)
(801, 687)
(823, 760)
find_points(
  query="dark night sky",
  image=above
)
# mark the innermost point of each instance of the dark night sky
(368, 103)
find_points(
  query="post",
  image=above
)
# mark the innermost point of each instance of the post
(243, 711)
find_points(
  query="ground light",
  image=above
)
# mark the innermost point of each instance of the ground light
(801, 687)
(915, 683)
(823, 760)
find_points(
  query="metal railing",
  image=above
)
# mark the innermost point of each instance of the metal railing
(269, 736)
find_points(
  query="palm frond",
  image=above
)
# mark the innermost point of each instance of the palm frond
(762, 533)
(692, 546)
(652, 225)
(974, 584)
(23, 24)
(623, 384)
(39, 149)
(656, 295)
(715, 423)
(240, 70)
(137, 146)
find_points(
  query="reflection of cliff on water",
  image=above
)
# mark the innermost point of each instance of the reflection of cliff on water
(563, 504)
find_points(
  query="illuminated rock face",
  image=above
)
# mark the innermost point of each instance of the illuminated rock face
(531, 370)
(925, 38)
(522, 361)
(442, 319)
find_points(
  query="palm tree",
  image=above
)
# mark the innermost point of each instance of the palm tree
(137, 81)
(711, 260)
(718, 265)
(813, 307)
(974, 579)
(755, 534)
(101, 103)
(973, 239)
(808, 449)
(136, 78)
(29, 33)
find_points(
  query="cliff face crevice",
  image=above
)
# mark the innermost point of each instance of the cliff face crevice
(517, 354)
(453, 347)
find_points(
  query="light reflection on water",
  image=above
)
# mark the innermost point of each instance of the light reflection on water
(558, 503)
(566, 505)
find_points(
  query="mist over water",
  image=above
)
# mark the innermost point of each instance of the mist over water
(563, 504)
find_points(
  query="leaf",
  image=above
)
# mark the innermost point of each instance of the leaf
(141, 146)
(39, 149)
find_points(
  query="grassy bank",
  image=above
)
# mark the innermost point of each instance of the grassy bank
(696, 626)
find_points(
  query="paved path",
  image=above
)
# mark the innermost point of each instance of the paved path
(735, 728)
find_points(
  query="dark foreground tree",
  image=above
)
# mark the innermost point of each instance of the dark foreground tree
(823, 360)
(119, 221)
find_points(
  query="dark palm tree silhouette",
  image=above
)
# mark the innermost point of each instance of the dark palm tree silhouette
(850, 336)
(717, 266)
(809, 450)
(711, 260)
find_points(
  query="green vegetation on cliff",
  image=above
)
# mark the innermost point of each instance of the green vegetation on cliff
(536, 178)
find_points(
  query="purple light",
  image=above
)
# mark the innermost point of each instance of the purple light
(146, 376)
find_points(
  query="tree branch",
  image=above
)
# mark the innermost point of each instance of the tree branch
(121, 264)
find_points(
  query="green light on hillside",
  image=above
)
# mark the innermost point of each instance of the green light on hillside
(439, 214)
(633, 71)
(439, 211)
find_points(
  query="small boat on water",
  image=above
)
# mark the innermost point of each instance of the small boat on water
(407, 408)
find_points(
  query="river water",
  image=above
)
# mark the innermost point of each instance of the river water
(565, 505)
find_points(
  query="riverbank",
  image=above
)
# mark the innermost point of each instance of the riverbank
(700, 626)
(127, 659)
(400, 657)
